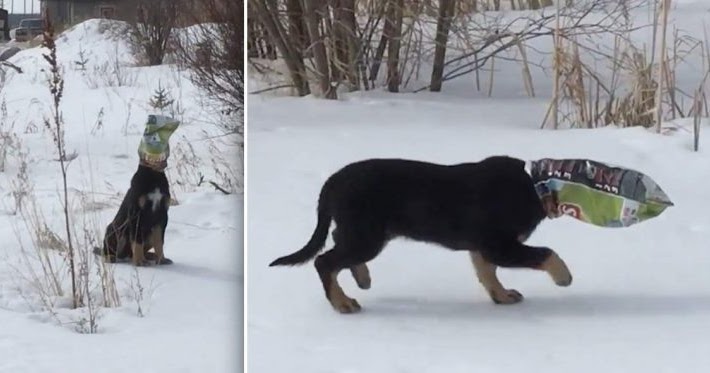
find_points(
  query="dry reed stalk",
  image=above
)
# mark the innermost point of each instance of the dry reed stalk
(556, 68)
(659, 94)
(490, 80)
(527, 77)
(696, 118)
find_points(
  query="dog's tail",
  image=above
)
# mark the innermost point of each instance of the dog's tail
(314, 245)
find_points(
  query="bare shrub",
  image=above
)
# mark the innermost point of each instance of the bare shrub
(213, 51)
(8, 139)
(139, 293)
(152, 30)
(111, 73)
(226, 172)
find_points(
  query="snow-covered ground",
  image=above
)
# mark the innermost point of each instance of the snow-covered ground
(192, 309)
(640, 301)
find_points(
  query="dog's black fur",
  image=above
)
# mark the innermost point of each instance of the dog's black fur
(489, 207)
(138, 222)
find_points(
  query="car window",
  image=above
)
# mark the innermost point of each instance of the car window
(31, 23)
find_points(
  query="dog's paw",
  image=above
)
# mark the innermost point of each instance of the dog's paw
(507, 296)
(109, 259)
(142, 263)
(564, 280)
(346, 305)
(164, 261)
(361, 274)
(558, 270)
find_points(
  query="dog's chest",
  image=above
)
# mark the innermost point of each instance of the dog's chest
(155, 197)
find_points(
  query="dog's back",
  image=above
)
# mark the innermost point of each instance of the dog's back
(457, 206)
(432, 202)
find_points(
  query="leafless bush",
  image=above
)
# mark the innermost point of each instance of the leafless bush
(456, 37)
(110, 73)
(213, 51)
(640, 89)
(153, 28)
(185, 176)
(226, 172)
(139, 293)
(8, 139)
(42, 269)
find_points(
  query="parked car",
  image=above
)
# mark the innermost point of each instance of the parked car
(29, 29)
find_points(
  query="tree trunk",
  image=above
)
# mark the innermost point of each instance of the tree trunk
(319, 52)
(296, 27)
(379, 54)
(534, 4)
(254, 49)
(339, 53)
(443, 24)
(354, 59)
(393, 18)
(278, 35)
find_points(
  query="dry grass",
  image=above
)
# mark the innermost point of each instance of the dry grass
(641, 89)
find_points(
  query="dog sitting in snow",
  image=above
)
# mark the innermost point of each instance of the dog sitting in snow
(488, 208)
(142, 218)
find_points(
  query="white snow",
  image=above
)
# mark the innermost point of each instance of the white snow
(640, 300)
(192, 313)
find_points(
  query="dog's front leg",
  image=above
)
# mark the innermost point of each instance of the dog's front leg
(138, 254)
(486, 273)
(156, 239)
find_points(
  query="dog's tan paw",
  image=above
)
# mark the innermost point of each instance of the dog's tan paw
(507, 296)
(346, 305)
(564, 280)
(142, 263)
(362, 276)
(558, 270)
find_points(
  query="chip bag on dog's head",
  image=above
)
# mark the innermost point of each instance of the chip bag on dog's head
(598, 193)
(154, 148)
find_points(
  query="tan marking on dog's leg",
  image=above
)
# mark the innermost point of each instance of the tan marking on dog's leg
(486, 273)
(138, 254)
(556, 267)
(156, 240)
(362, 275)
(341, 302)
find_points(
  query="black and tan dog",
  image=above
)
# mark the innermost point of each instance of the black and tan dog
(488, 208)
(141, 220)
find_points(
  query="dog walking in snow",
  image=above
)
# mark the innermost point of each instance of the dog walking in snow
(488, 208)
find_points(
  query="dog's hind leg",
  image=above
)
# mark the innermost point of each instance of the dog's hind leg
(486, 273)
(328, 265)
(360, 272)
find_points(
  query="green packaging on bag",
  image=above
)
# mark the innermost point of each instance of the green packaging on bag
(597, 193)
